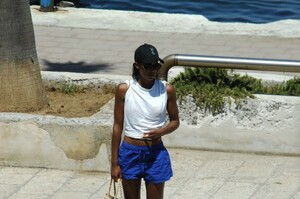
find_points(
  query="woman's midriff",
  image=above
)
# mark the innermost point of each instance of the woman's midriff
(142, 142)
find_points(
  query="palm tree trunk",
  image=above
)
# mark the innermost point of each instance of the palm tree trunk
(21, 87)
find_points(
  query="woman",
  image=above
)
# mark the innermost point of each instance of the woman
(141, 108)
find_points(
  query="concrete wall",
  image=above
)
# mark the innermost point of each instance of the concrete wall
(267, 124)
(57, 142)
(82, 147)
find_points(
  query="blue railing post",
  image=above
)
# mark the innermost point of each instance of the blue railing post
(47, 5)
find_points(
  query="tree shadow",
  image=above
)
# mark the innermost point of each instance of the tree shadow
(75, 67)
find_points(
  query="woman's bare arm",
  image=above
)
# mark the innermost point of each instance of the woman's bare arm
(117, 129)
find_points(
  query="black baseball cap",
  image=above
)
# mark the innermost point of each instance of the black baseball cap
(146, 54)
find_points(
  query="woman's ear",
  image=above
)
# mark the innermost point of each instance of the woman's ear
(136, 65)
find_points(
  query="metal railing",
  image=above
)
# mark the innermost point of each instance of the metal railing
(228, 63)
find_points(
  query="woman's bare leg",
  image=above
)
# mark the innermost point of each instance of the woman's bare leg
(155, 191)
(132, 189)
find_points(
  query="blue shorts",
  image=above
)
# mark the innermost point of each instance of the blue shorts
(149, 162)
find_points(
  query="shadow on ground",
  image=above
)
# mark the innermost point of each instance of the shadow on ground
(75, 67)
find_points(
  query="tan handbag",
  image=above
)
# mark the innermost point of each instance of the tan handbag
(117, 190)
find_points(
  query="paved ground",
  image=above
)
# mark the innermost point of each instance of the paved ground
(111, 52)
(197, 174)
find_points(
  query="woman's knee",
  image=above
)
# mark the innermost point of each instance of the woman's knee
(155, 191)
(132, 188)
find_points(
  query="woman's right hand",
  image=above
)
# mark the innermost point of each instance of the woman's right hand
(116, 172)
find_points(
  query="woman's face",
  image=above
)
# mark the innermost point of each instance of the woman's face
(148, 71)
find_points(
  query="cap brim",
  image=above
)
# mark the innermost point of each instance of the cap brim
(162, 61)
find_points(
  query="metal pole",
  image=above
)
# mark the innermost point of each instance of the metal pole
(228, 63)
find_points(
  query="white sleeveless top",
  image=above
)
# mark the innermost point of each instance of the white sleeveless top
(144, 109)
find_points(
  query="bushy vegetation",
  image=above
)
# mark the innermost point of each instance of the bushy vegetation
(70, 88)
(210, 87)
(290, 87)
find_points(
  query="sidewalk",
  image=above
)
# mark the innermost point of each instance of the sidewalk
(99, 41)
(197, 174)
(111, 52)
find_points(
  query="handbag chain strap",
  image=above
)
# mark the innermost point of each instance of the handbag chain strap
(120, 189)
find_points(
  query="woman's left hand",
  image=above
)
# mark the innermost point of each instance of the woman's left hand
(153, 134)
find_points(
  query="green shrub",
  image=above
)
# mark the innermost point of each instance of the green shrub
(69, 87)
(210, 87)
(290, 87)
